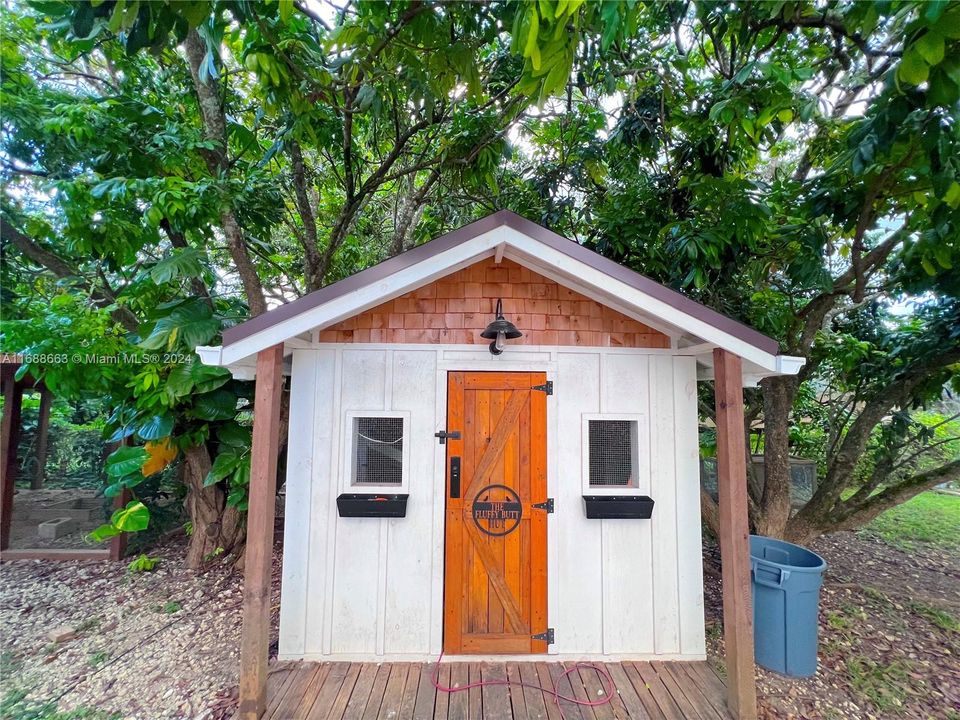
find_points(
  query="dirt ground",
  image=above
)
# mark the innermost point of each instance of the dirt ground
(149, 646)
(164, 644)
(887, 650)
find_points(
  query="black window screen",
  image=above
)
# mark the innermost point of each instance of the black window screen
(378, 454)
(613, 452)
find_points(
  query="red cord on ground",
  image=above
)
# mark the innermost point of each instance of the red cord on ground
(609, 686)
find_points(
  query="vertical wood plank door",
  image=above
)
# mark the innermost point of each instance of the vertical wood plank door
(495, 582)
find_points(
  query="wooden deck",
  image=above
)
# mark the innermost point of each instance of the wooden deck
(405, 691)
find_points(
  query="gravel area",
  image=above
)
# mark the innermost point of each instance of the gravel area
(150, 646)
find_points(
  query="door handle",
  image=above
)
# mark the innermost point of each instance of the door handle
(455, 477)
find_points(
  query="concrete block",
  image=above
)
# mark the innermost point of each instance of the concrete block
(62, 634)
(58, 527)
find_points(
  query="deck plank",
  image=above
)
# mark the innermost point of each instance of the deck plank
(553, 707)
(644, 691)
(393, 692)
(627, 693)
(690, 690)
(459, 705)
(518, 703)
(442, 699)
(278, 679)
(676, 692)
(564, 685)
(475, 693)
(496, 697)
(408, 702)
(323, 700)
(593, 684)
(658, 690)
(361, 692)
(580, 692)
(710, 684)
(339, 705)
(297, 689)
(534, 700)
(660, 693)
(427, 694)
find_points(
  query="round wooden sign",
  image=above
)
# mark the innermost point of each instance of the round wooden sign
(497, 510)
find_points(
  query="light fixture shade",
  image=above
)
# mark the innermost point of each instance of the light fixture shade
(500, 325)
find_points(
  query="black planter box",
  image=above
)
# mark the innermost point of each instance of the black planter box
(618, 506)
(366, 505)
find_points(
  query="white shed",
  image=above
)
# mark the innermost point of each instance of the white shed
(533, 495)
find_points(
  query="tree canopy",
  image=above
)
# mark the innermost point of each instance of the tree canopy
(171, 168)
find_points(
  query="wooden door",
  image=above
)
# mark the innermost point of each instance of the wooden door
(495, 586)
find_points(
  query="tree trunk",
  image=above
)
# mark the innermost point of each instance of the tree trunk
(774, 510)
(218, 528)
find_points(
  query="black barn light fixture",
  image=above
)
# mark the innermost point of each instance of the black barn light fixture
(500, 330)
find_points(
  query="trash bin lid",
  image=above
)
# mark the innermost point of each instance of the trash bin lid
(785, 555)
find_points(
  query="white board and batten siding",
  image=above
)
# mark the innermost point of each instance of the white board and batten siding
(367, 588)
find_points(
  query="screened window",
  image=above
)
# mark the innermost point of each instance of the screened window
(612, 449)
(378, 450)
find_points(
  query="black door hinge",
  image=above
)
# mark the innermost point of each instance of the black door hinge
(548, 636)
(547, 387)
(444, 435)
(545, 505)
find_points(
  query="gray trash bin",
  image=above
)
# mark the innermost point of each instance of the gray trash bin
(786, 599)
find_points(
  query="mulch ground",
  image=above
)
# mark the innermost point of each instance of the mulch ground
(886, 651)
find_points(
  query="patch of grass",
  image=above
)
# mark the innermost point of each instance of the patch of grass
(99, 658)
(941, 618)
(171, 606)
(10, 663)
(930, 518)
(885, 686)
(15, 706)
(88, 624)
(838, 621)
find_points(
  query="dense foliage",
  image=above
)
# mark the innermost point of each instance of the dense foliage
(171, 168)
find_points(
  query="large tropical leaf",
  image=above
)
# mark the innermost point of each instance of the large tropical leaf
(217, 405)
(124, 461)
(156, 427)
(189, 324)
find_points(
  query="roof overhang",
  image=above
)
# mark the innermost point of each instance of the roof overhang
(694, 328)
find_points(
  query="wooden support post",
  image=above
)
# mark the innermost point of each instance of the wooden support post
(254, 644)
(43, 431)
(734, 535)
(9, 440)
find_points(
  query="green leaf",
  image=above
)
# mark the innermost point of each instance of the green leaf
(286, 10)
(156, 427)
(126, 460)
(132, 518)
(182, 263)
(913, 68)
(217, 405)
(952, 196)
(191, 322)
(930, 47)
(223, 466)
(103, 532)
(530, 49)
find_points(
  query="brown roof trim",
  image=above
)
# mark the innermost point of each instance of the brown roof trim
(468, 232)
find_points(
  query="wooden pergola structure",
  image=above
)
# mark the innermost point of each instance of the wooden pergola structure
(13, 390)
(734, 534)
